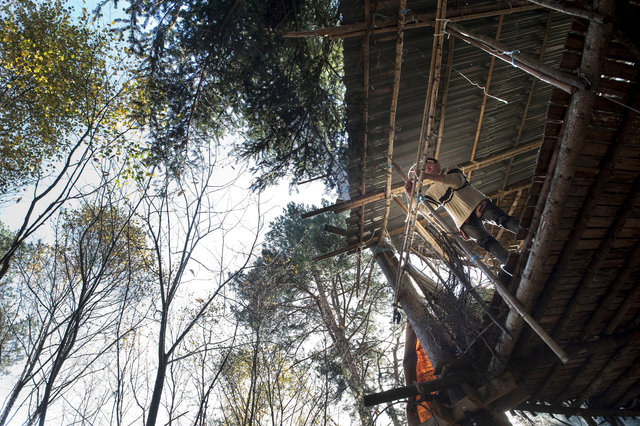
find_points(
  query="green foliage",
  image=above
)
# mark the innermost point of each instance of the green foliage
(302, 240)
(274, 290)
(56, 83)
(215, 66)
(45, 60)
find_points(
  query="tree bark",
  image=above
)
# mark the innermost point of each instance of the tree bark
(433, 341)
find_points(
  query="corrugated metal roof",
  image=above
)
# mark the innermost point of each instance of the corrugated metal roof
(501, 123)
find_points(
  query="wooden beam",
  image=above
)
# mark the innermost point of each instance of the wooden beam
(621, 384)
(355, 246)
(501, 156)
(605, 167)
(337, 252)
(631, 298)
(573, 11)
(606, 244)
(543, 357)
(618, 361)
(425, 388)
(562, 80)
(335, 230)
(573, 411)
(420, 20)
(631, 393)
(355, 201)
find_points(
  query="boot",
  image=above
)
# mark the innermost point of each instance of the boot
(512, 224)
(510, 266)
(499, 252)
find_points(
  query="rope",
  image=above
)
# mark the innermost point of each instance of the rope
(511, 53)
(476, 257)
(444, 26)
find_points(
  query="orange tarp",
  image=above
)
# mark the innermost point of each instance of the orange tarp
(424, 373)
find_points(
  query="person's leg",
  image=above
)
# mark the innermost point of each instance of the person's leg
(477, 232)
(495, 215)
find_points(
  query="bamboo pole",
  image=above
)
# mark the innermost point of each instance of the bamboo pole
(398, 188)
(445, 96)
(575, 126)
(485, 94)
(393, 110)
(422, 231)
(511, 212)
(567, 82)
(427, 125)
(365, 136)
(517, 187)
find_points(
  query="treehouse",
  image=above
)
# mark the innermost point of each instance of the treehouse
(537, 103)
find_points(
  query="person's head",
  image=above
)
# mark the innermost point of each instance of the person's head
(432, 166)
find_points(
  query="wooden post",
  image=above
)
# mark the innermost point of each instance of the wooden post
(570, 145)
(412, 391)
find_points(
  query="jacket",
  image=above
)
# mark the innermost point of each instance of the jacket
(455, 194)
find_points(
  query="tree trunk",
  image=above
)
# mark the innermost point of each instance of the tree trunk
(157, 391)
(433, 341)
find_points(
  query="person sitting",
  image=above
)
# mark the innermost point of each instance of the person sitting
(468, 207)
